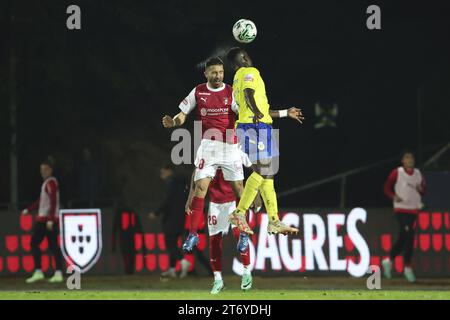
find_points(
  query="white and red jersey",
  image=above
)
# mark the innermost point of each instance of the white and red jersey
(48, 203)
(215, 108)
(404, 183)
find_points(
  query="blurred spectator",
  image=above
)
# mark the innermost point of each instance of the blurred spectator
(46, 225)
(405, 187)
(172, 213)
(126, 225)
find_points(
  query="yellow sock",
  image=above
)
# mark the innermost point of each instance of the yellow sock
(251, 189)
(269, 196)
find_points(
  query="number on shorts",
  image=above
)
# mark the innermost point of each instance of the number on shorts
(201, 164)
(212, 220)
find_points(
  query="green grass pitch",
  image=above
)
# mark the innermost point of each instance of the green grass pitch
(197, 288)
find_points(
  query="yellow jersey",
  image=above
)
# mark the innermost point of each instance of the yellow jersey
(250, 78)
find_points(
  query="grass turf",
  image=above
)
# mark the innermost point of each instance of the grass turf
(197, 288)
(228, 295)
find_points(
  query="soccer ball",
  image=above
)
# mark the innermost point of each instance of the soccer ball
(244, 31)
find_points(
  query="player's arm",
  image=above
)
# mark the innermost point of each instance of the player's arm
(176, 121)
(186, 106)
(51, 189)
(249, 95)
(422, 187)
(294, 113)
(32, 207)
(389, 186)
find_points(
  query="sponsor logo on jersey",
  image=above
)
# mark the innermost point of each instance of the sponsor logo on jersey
(213, 111)
(248, 77)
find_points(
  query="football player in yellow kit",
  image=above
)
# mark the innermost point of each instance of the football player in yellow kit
(256, 138)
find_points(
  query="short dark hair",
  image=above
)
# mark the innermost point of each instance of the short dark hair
(406, 151)
(214, 61)
(232, 53)
(47, 162)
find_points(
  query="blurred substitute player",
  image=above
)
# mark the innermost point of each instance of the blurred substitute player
(46, 225)
(214, 106)
(255, 135)
(405, 187)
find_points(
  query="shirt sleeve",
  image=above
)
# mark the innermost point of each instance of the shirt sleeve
(51, 189)
(234, 105)
(34, 205)
(189, 103)
(389, 184)
(249, 78)
(423, 185)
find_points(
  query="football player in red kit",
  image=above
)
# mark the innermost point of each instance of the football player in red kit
(46, 225)
(405, 187)
(214, 106)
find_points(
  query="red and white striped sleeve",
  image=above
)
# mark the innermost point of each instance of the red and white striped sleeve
(189, 103)
(51, 189)
(389, 184)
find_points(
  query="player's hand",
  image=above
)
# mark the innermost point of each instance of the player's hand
(168, 122)
(397, 199)
(24, 212)
(187, 210)
(152, 215)
(49, 225)
(258, 116)
(296, 114)
(419, 188)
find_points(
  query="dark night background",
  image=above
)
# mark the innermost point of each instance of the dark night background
(106, 87)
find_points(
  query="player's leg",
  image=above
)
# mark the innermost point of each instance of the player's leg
(52, 237)
(218, 225)
(215, 246)
(409, 247)
(246, 282)
(174, 254)
(267, 167)
(202, 179)
(215, 258)
(397, 248)
(247, 137)
(39, 232)
(238, 217)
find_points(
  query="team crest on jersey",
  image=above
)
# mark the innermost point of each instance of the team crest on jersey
(225, 100)
(203, 111)
(81, 237)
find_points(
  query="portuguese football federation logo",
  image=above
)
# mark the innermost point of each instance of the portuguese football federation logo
(81, 237)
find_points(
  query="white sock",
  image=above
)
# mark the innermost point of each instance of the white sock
(38, 271)
(184, 261)
(246, 270)
(171, 270)
(217, 275)
(58, 273)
